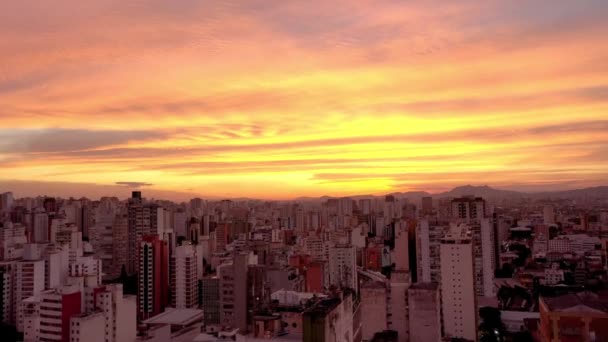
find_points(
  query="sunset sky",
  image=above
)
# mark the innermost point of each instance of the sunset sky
(280, 99)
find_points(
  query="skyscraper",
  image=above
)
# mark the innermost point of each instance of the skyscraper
(468, 209)
(153, 278)
(184, 282)
(458, 297)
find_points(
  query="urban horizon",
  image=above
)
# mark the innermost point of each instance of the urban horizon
(303, 171)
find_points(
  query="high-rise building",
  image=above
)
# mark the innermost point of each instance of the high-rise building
(6, 201)
(548, 214)
(233, 292)
(427, 206)
(142, 221)
(87, 327)
(424, 312)
(428, 242)
(458, 295)
(119, 311)
(468, 209)
(153, 277)
(398, 308)
(29, 281)
(120, 244)
(184, 281)
(330, 320)
(7, 290)
(374, 308)
(210, 300)
(57, 306)
(343, 266)
(40, 226)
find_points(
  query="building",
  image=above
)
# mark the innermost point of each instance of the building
(374, 308)
(233, 292)
(87, 327)
(184, 280)
(29, 281)
(119, 313)
(458, 295)
(330, 320)
(468, 209)
(343, 266)
(398, 319)
(143, 220)
(424, 312)
(548, 214)
(57, 307)
(153, 277)
(6, 201)
(120, 244)
(428, 242)
(427, 206)
(574, 317)
(210, 300)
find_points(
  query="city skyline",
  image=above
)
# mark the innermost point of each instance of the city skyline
(278, 100)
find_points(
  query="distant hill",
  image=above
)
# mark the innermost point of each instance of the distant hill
(484, 191)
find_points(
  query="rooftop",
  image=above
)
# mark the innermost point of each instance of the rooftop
(176, 317)
(424, 286)
(582, 302)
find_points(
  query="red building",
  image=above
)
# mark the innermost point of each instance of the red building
(315, 273)
(58, 306)
(373, 258)
(153, 277)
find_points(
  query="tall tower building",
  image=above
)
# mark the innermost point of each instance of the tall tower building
(427, 206)
(424, 312)
(143, 221)
(57, 306)
(458, 284)
(153, 278)
(233, 292)
(343, 266)
(120, 243)
(428, 241)
(468, 209)
(184, 282)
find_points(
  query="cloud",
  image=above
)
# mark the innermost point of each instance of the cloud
(134, 184)
(65, 140)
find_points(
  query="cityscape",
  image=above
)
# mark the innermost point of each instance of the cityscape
(452, 266)
(304, 170)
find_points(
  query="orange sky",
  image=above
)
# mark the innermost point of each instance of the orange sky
(279, 99)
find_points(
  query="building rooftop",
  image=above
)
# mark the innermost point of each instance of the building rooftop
(577, 302)
(424, 286)
(176, 317)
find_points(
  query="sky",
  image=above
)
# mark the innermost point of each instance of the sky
(278, 99)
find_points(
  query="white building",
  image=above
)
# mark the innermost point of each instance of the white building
(548, 214)
(398, 308)
(428, 242)
(468, 209)
(424, 312)
(184, 280)
(87, 327)
(343, 266)
(401, 251)
(120, 313)
(374, 308)
(29, 281)
(458, 284)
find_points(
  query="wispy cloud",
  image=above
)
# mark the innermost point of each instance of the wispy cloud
(273, 98)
